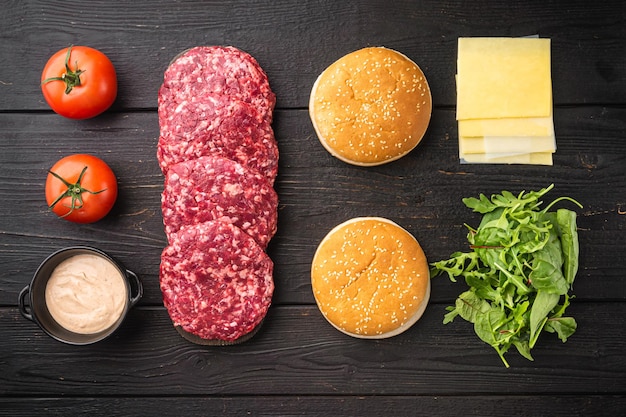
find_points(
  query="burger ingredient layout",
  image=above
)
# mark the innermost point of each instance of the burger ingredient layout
(520, 271)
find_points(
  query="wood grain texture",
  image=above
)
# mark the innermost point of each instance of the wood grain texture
(422, 192)
(298, 364)
(297, 352)
(294, 42)
(337, 406)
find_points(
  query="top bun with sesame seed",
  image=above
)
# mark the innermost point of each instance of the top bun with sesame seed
(371, 106)
(370, 278)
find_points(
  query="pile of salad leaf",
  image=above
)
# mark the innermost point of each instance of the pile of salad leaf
(520, 270)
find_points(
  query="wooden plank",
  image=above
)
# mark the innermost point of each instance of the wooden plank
(298, 353)
(422, 191)
(298, 364)
(294, 42)
(133, 231)
(427, 406)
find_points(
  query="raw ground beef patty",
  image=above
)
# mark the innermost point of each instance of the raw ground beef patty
(213, 187)
(219, 70)
(216, 124)
(216, 281)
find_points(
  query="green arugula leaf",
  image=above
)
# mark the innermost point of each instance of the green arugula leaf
(488, 326)
(566, 221)
(522, 262)
(563, 326)
(523, 348)
(455, 266)
(482, 205)
(450, 316)
(547, 268)
(491, 328)
(542, 306)
(469, 306)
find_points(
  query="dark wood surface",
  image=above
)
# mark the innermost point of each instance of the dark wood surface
(298, 364)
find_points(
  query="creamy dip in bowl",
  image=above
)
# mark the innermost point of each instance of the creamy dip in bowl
(80, 295)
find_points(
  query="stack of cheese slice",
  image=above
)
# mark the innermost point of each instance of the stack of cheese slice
(504, 101)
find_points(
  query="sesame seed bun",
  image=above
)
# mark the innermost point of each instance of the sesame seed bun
(370, 278)
(371, 106)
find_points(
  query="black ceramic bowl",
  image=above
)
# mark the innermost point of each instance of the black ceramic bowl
(37, 310)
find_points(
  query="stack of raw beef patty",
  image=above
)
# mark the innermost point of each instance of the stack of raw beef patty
(219, 156)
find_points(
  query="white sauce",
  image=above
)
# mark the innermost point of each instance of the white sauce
(86, 294)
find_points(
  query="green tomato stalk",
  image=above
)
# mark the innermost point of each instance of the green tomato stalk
(71, 78)
(74, 191)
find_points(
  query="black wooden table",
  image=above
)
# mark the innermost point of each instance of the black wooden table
(298, 364)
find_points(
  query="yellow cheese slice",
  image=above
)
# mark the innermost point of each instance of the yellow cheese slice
(540, 158)
(508, 126)
(507, 145)
(503, 77)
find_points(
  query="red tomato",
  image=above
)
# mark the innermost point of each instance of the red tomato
(81, 188)
(79, 82)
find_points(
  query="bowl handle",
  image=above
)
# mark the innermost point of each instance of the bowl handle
(136, 286)
(23, 309)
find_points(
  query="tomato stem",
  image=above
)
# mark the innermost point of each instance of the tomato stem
(74, 191)
(70, 78)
